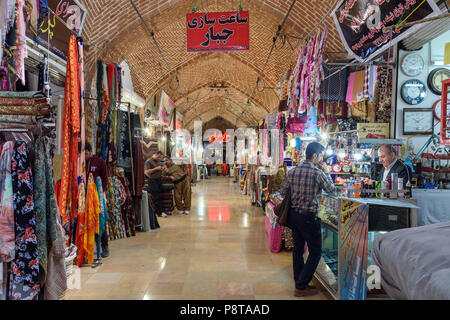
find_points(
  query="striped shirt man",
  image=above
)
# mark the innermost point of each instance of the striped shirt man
(306, 182)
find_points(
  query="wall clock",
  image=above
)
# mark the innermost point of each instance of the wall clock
(437, 110)
(418, 121)
(413, 64)
(413, 91)
(435, 79)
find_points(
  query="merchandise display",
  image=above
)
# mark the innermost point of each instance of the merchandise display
(134, 168)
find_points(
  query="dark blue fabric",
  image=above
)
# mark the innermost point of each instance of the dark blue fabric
(305, 229)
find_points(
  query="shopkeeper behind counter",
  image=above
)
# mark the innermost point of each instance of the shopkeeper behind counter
(388, 158)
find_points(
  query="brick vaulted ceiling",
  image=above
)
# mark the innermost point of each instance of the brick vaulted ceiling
(115, 33)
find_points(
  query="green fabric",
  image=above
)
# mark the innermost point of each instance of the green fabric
(45, 204)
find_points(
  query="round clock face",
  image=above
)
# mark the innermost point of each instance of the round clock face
(414, 91)
(346, 168)
(413, 64)
(337, 168)
(435, 79)
(330, 168)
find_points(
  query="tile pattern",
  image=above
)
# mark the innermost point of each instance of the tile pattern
(220, 251)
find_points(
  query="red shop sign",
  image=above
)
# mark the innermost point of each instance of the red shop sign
(218, 31)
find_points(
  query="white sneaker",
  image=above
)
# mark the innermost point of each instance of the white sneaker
(163, 215)
(186, 212)
(181, 212)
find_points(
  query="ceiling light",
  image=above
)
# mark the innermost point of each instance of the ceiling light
(358, 156)
(292, 143)
(329, 152)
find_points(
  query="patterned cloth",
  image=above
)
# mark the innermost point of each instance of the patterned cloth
(103, 209)
(116, 226)
(92, 224)
(71, 127)
(44, 203)
(7, 237)
(25, 266)
(306, 183)
(79, 239)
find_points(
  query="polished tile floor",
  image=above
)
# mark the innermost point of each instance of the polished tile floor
(219, 251)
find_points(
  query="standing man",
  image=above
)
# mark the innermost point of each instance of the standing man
(153, 170)
(180, 179)
(306, 183)
(97, 166)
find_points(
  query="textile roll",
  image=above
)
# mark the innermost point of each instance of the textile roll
(22, 101)
(34, 110)
(21, 95)
(18, 119)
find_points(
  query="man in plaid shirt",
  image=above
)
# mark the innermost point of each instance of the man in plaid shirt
(306, 182)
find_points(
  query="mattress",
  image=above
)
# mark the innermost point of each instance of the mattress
(415, 262)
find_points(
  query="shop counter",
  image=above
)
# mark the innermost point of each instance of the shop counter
(349, 227)
(433, 205)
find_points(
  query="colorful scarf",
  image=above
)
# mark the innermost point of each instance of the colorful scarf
(103, 209)
(25, 266)
(7, 237)
(44, 203)
(81, 156)
(92, 224)
(79, 239)
(71, 130)
(116, 224)
(21, 46)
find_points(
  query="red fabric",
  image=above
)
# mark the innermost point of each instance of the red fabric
(71, 129)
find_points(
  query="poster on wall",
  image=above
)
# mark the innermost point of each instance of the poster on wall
(166, 106)
(65, 18)
(368, 27)
(373, 130)
(353, 242)
(218, 31)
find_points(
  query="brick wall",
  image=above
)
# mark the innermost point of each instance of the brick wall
(115, 30)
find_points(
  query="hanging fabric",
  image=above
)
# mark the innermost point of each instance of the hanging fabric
(20, 53)
(46, 212)
(91, 226)
(81, 222)
(71, 129)
(81, 156)
(24, 283)
(7, 236)
(103, 215)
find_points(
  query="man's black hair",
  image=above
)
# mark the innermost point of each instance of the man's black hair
(87, 146)
(314, 148)
(158, 152)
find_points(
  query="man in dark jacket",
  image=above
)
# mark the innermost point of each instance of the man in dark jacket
(153, 171)
(97, 166)
(391, 164)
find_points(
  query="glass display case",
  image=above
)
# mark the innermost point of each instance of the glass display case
(349, 227)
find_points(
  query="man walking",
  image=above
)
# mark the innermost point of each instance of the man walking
(306, 182)
(180, 179)
(97, 166)
(153, 170)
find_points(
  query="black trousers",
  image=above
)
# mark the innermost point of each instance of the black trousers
(155, 188)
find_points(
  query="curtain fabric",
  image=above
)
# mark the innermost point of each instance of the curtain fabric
(71, 130)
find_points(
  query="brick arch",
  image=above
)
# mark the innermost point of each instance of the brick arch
(115, 26)
(212, 101)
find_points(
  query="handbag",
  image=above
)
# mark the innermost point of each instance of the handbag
(282, 210)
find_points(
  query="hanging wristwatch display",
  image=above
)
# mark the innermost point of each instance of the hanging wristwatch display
(413, 64)
(435, 79)
(413, 91)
